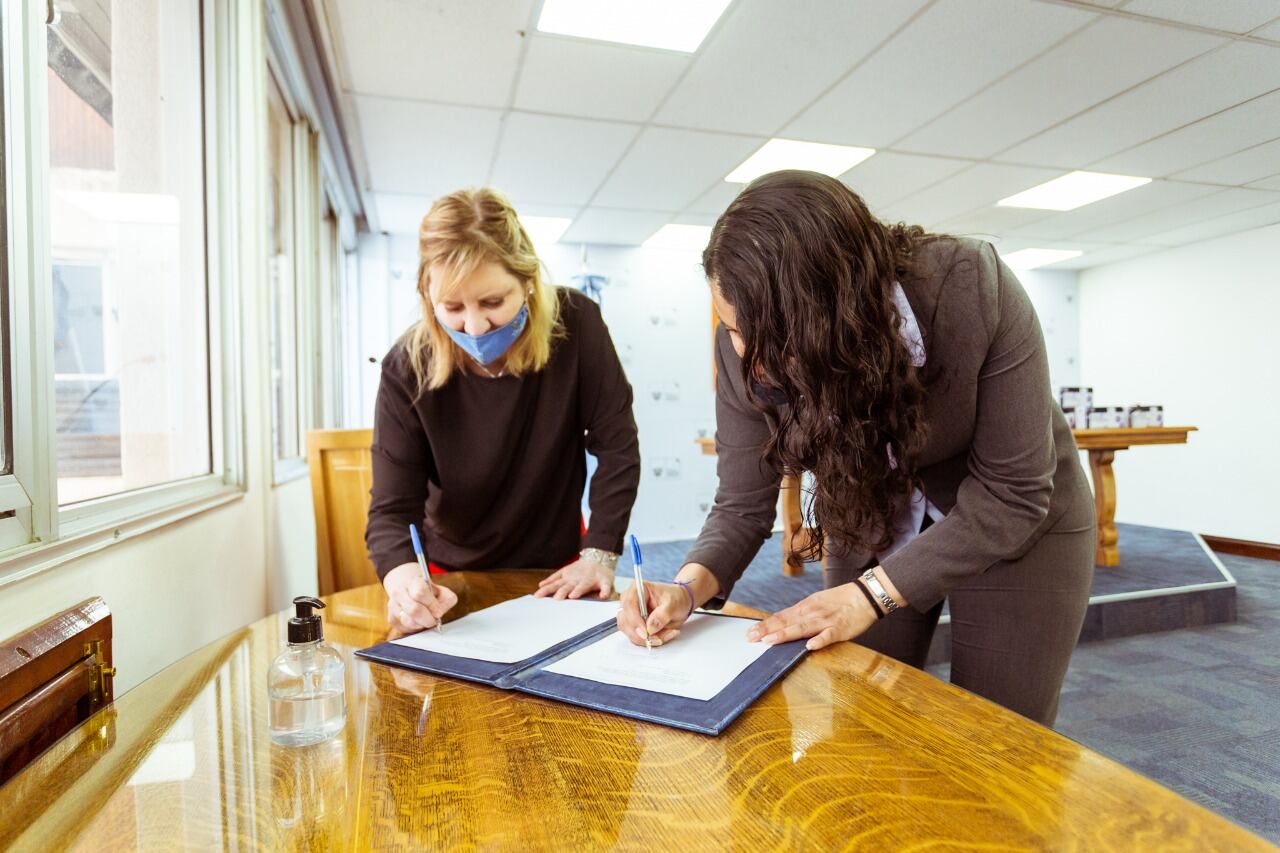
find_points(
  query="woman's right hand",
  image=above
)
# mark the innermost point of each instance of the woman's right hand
(668, 609)
(411, 604)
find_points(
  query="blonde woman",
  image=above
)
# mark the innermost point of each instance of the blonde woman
(484, 411)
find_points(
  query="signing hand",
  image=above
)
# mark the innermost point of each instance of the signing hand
(668, 609)
(576, 580)
(411, 605)
(831, 616)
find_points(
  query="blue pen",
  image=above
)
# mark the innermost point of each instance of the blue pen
(636, 562)
(422, 564)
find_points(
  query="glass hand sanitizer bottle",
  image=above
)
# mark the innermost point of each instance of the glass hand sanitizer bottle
(305, 685)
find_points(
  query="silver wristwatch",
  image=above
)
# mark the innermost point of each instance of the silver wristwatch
(608, 559)
(877, 589)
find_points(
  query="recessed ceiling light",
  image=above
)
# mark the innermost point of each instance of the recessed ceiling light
(693, 237)
(545, 230)
(1029, 259)
(1073, 190)
(833, 160)
(668, 24)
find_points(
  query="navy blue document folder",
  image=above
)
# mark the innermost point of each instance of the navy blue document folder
(709, 717)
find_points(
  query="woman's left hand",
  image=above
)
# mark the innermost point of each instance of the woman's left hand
(831, 616)
(576, 580)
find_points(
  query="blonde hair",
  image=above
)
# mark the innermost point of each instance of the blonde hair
(463, 230)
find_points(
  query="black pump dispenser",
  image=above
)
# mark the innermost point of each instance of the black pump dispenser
(305, 627)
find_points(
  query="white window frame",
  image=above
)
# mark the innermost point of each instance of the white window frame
(42, 534)
(317, 349)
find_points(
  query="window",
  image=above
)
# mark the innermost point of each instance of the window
(6, 425)
(126, 207)
(284, 302)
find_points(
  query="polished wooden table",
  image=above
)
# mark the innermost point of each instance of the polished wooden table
(1102, 445)
(851, 750)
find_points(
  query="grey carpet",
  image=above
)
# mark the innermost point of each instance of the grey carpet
(1197, 710)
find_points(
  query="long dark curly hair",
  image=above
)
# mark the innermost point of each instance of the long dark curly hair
(810, 273)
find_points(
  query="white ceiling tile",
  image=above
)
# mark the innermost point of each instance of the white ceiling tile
(1270, 183)
(1231, 223)
(695, 219)
(1252, 164)
(980, 186)
(557, 160)
(615, 227)
(462, 53)
(533, 208)
(923, 71)
(888, 176)
(427, 149)
(1207, 84)
(1102, 60)
(1234, 16)
(401, 214)
(768, 60)
(595, 79)
(667, 169)
(1109, 255)
(991, 223)
(1007, 245)
(1203, 209)
(1145, 199)
(716, 199)
(1217, 136)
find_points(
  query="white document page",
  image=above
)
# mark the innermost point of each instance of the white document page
(513, 630)
(710, 652)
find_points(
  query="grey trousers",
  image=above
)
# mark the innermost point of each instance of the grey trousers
(1013, 628)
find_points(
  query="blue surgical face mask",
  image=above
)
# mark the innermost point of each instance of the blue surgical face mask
(492, 345)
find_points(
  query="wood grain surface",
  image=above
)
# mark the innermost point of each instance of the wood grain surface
(851, 751)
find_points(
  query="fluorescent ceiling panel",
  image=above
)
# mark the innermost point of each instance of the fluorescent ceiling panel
(668, 24)
(693, 237)
(545, 230)
(1073, 190)
(1029, 259)
(776, 154)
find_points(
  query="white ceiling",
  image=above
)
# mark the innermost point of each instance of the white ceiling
(966, 102)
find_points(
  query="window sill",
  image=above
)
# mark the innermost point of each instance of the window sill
(288, 470)
(29, 560)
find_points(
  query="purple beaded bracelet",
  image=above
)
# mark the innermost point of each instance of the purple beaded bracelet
(685, 584)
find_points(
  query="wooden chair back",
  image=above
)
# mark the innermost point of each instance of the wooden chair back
(52, 678)
(341, 477)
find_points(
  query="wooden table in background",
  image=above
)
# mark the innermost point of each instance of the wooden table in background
(851, 750)
(1101, 444)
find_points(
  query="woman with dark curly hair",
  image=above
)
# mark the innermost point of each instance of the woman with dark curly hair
(907, 372)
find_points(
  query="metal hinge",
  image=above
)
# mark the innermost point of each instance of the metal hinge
(100, 672)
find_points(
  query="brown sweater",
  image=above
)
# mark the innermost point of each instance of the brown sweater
(999, 458)
(493, 470)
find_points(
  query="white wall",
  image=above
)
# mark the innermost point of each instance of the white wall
(658, 308)
(1194, 329)
(1056, 297)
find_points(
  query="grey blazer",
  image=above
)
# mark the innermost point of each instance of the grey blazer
(999, 458)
